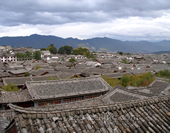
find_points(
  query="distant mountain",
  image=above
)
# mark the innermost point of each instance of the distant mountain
(94, 44)
(162, 52)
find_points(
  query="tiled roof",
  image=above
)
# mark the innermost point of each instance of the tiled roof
(45, 77)
(19, 71)
(22, 80)
(66, 88)
(14, 97)
(4, 74)
(65, 75)
(149, 115)
(16, 81)
(38, 72)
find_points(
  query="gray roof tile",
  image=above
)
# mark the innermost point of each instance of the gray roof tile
(65, 88)
(149, 115)
(14, 97)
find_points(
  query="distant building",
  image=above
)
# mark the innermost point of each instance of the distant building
(8, 58)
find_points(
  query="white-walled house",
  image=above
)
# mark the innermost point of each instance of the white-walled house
(93, 63)
(45, 53)
(8, 58)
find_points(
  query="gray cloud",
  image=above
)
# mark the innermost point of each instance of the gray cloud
(68, 11)
(126, 19)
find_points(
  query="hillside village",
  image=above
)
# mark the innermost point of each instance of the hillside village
(58, 95)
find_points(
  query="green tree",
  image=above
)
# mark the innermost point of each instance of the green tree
(81, 51)
(20, 55)
(119, 52)
(28, 54)
(43, 49)
(52, 49)
(65, 50)
(72, 60)
(68, 49)
(37, 55)
(61, 50)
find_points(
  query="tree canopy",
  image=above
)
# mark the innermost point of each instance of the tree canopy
(65, 50)
(37, 55)
(22, 55)
(119, 52)
(52, 49)
(80, 51)
(72, 60)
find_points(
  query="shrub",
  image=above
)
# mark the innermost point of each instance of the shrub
(52, 78)
(37, 67)
(124, 61)
(10, 87)
(112, 82)
(133, 80)
(72, 60)
(27, 74)
(125, 80)
(163, 73)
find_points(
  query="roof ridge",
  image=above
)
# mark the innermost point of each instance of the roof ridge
(107, 106)
(86, 78)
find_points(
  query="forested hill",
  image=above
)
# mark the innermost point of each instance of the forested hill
(94, 44)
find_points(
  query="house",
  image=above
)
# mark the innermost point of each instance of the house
(18, 73)
(45, 53)
(21, 98)
(104, 109)
(93, 63)
(63, 91)
(145, 115)
(8, 58)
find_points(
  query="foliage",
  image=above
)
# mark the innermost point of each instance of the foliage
(37, 55)
(52, 49)
(22, 55)
(81, 51)
(163, 73)
(37, 67)
(112, 82)
(10, 87)
(119, 52)
(65, 50)
(27, 74)
(61, 50)
(124, 61)
(72, 60)
(52, 78)
(133, 80)
(62, 59)
(125, 80)
(128, 53)
(28, 54)
(85, 52)
(41, 49)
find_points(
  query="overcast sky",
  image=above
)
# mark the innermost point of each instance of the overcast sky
(118, 19)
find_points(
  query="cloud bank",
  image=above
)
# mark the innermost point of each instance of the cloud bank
(119, 19)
